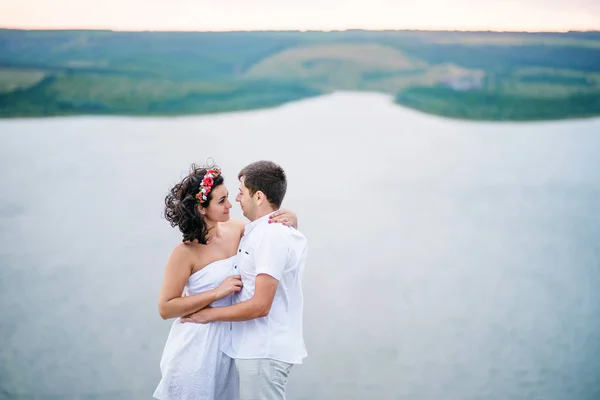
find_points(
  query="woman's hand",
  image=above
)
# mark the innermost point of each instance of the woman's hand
(229, 285)
(285, 217)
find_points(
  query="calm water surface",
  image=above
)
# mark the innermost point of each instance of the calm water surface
(448, 260)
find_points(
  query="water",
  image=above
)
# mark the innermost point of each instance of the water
(448, 259)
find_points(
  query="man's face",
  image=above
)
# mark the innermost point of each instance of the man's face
(247, 202)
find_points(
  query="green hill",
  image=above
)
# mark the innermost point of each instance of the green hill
(474, 75)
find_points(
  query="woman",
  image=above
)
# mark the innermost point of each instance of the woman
(192, 364)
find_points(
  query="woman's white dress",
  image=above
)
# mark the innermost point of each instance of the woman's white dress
(193, 367)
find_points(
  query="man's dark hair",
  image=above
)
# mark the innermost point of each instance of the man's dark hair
(267, 177)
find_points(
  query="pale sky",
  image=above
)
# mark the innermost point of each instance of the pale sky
(222, 15)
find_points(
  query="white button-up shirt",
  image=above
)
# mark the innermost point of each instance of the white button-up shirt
(279, 251)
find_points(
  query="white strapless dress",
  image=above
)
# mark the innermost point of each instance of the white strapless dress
(193, 367)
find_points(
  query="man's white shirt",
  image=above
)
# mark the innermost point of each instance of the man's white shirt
(278, 251)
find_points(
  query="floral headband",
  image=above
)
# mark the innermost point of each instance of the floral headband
(207, 184)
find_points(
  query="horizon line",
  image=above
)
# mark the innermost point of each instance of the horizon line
(299, 30)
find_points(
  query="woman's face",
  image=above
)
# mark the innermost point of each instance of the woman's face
(218, 208)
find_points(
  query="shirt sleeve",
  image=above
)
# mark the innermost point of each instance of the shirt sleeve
(273, 253)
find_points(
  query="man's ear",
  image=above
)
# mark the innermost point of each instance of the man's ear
(260, 197)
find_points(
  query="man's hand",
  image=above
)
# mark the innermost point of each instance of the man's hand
(199, 317)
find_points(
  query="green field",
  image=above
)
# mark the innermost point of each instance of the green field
(473, 75)
(14, 79)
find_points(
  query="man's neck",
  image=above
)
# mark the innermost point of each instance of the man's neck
(262, 213)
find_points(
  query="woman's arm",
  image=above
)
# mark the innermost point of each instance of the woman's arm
(170, 302)
(286, 217)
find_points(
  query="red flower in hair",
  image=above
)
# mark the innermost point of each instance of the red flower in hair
(207, 181)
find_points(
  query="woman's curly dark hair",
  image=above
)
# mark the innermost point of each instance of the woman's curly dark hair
(181, 205)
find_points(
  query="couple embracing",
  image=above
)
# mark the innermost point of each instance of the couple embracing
(239, 322)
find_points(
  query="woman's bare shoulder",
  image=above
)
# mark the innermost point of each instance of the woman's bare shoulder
(235, 225)
(186, 249)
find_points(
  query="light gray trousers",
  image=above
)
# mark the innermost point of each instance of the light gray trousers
(262, 378)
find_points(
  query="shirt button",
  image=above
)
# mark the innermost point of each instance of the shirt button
(239, 250)
(235, 267)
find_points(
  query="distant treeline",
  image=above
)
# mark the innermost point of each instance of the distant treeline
(483, 105)
(525, 76)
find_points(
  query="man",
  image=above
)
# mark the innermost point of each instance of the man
(266, 339)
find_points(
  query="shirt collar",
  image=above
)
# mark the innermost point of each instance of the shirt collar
(250, 226)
